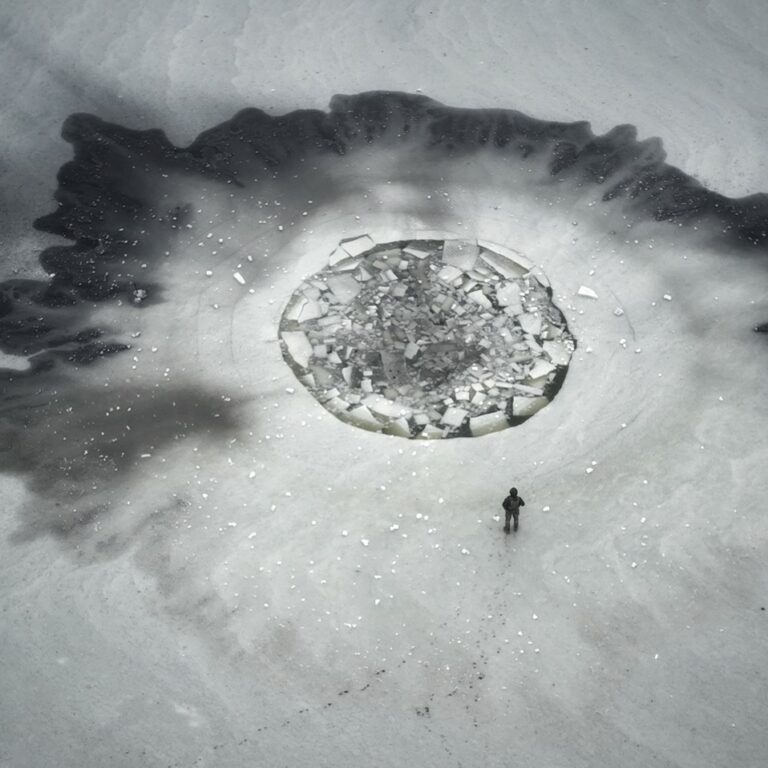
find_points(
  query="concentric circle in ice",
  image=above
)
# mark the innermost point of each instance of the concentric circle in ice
(427, 338)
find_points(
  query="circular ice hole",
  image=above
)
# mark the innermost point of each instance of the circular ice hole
(427, 338)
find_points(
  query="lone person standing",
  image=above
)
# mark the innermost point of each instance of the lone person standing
(512, 505)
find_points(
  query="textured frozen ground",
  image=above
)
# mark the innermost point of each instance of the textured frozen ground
(163, 607)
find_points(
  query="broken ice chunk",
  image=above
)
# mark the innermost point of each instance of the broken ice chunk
(530, 323)
(385, 407)
(361, 416)
(419, 253)
(507, 253)
(431, 432)
(587, 292)
(298, 346)
(293, 310)
(488, 422)
(508, 295)
(411, 350)
(460, 253)
(344, 287)
(399, 427)
(453, 417)
(557, 352)
(527, 406)
(357, 245)
(310, 310)
(240, 279)
(524, 389)
(479, 298)
(448, 274)
(504, 266)
(540, 368)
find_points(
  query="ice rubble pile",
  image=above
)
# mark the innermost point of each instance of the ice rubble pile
(427, 338)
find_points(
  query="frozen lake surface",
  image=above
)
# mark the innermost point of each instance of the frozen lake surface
(202, 566)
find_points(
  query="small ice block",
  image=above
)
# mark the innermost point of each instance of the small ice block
(399, 427)
(448, 274)
(385, 407)
(480, 298)
(431, 432)
(504, 266)
(530, 323)
(344, 287)
(508, 253)
(357, 245)
(295, 305)
(527, 406)
(460, 253)
(360, 416)
(411, 350)
(587, 292)
(478, 398)
(557, 352)
(508, 295)
(453, 417)
(336, 405)
(487, 423)
(310, 310)
(540, 368)
(299, 348)
(239, 278)
(523, 389)
(418, 253)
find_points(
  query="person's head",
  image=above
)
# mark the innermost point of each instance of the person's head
(513, 491)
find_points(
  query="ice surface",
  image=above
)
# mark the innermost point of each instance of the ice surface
(622, 625)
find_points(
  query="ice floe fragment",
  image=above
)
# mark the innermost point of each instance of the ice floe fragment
(299, 347)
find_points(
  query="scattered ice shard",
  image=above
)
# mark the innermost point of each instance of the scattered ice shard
(298, 345)
(587, 292)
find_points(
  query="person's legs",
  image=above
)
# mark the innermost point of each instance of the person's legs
(507, 516)
(516, 516)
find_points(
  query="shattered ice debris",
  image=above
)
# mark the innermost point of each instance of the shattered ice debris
(365, 542)
(240, 279)
(667, 297)
(394, 527)
(587, 292)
